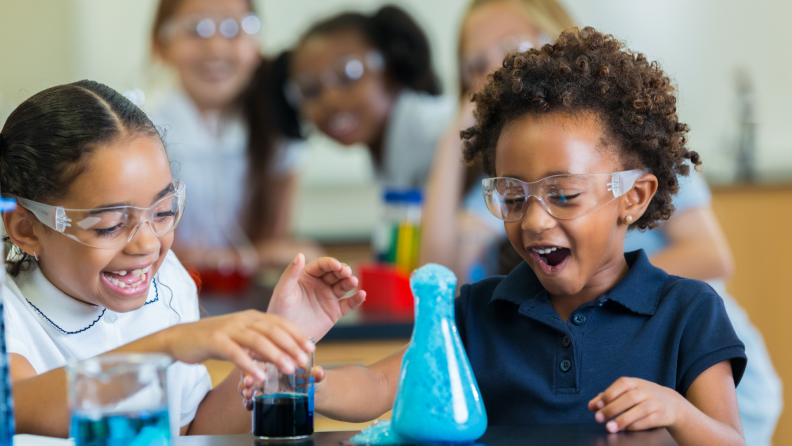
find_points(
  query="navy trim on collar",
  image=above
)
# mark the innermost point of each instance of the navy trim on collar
(639, 291)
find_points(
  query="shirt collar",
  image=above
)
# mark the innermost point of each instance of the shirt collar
(56, 307)
(638, 291)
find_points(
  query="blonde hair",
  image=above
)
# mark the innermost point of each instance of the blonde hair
(547, 15)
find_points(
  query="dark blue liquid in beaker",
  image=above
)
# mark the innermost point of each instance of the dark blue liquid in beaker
(133, 429)
(282, 415)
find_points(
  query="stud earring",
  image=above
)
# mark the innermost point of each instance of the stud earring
(628, 219)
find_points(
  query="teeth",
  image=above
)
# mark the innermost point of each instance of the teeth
(137, 272)
(120, 273)
(545, 251)
(146, 269)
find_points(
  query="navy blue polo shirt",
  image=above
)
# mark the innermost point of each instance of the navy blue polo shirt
(532, 368)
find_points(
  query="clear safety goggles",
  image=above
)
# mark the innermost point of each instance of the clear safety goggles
(111, 227)
(563, 196)
(342, 74)
(206, 27)
(476, 65)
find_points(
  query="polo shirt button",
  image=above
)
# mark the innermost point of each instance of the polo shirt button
(565, 365)
(579, 319)
(111, 318)
(566, 341)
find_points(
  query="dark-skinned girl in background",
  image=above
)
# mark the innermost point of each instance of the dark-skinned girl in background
(368, 79)
(689, 244)
(238, 155)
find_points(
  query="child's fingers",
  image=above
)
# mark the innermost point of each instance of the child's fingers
(352, 302)
(318, 373)
(290, 277)
(345, 286)
(620, 386)
(264, 349)
(292, 329)
(234, 353)
(632, 416)
(284, 340)
(621, 404)
(596, 403)
(320, 267)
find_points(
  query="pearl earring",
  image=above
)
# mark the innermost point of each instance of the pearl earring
(628, 219)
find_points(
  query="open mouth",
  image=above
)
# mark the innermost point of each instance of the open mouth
(128, 282)
(551, 259)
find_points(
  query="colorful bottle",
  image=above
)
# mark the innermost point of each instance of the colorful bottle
(6, 401)
(438, 400)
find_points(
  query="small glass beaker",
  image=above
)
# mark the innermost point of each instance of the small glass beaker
(283, 406)
(120, 399)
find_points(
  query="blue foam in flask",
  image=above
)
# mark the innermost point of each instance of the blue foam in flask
(438, 400)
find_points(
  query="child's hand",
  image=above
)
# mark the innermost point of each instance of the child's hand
(249, 387)
(240, 338)
(636, 404)
(311, 295)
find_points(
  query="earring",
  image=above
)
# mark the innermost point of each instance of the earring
(628, 219)
(35, 256)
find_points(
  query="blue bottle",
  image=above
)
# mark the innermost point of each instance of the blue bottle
(6, 402)
(438, 400)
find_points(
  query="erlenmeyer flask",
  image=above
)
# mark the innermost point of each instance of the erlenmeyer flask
(438, 400)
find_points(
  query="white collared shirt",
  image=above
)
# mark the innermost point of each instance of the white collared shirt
(36, 311)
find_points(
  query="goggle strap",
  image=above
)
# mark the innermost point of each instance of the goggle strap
(622, 182)
(51, 216)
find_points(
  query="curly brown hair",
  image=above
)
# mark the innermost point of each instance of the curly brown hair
(590, 72)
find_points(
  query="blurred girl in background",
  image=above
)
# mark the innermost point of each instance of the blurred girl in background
(689, 244)
(490, 29)
(368, 79)
(224, 92)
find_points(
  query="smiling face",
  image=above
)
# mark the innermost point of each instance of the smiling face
(353, 114)
(131, 171)
(213, 71)
(568, 256)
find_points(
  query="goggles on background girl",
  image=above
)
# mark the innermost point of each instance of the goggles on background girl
(476, 65)
(111, 227)
(206, 27)
(563, 196)
(343, 73)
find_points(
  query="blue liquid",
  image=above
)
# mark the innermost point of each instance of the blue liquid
(134, 429)
(438, 400)
(282, 415)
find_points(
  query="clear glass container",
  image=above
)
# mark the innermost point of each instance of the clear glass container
(120, 399)
(438, 400)
(283, 406)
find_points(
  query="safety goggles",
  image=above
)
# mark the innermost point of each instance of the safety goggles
(476, 65)
(342, 74)
(563, 196)
(111, 227)
(206, 27)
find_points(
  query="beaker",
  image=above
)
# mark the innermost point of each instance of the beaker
(119, 399)
(283, 405)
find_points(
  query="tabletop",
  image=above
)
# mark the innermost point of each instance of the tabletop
(538, 435)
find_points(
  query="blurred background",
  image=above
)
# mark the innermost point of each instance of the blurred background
(730, 60)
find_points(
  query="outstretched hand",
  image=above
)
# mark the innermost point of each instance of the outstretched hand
(312, 295)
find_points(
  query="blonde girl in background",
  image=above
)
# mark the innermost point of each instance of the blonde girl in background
(222, 95)
(689, 244)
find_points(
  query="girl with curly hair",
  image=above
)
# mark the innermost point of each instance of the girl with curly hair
(582, 142)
